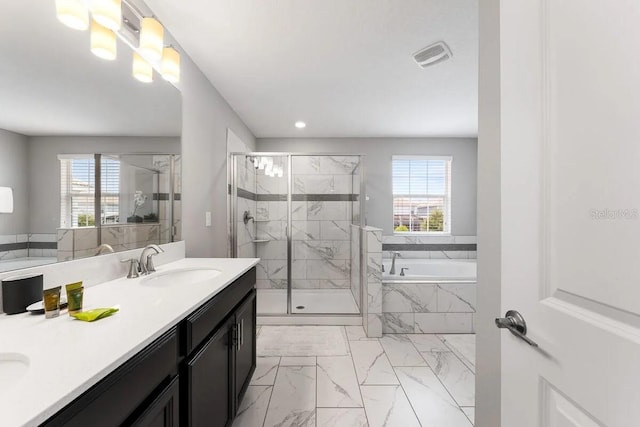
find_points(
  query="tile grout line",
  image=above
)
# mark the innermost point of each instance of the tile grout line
(438, 377)
(272, 390)
(353, 363)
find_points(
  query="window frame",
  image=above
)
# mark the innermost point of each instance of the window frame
(447, 196)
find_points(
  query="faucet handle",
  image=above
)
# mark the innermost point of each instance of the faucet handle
(133, 268)
(150, 268)
(402, 269)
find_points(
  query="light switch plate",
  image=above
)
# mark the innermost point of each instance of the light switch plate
(207, 219)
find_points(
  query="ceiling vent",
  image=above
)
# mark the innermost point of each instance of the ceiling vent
(433, 54)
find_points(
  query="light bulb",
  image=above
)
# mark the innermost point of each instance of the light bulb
(142, 70)
(151, 38)
(170, 66)
(107, 13)
(103, 42)
(73, 13)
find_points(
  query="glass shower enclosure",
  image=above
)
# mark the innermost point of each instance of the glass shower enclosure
(300, 214)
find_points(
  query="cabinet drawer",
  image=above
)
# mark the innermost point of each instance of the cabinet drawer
(205, 320)
(114, 399)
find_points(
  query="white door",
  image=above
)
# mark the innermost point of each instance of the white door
(570, 211)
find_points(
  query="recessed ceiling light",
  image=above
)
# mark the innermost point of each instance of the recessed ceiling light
(301, 125)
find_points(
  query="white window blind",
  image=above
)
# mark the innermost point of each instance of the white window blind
(77, 192)
(110, 188)
(421, 194)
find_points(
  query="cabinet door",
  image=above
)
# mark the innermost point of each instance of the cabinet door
(163, 411)
(245, 353)
(209, 373)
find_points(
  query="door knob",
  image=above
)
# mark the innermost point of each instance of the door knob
(514, 322)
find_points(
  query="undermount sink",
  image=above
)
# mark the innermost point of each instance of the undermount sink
(180, 276)
(13, 366)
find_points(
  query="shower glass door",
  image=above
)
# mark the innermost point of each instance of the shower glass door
(300, 215)
(260, 188)
(324, 214)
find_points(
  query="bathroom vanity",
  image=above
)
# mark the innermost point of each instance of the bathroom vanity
(180, 352)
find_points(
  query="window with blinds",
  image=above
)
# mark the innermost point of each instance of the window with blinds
(78, 190)
(110, 188)
(421, 194)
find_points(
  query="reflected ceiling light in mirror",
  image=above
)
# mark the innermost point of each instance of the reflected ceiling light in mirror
(107, 13)
(142, 70)
(151, 38)
(170, 66)
(73, 13)
(103, 41)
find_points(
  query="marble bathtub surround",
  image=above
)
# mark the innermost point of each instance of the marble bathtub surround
(16, 246)
(392, 381)
(372, 280)
(430, 247)
(428, 307)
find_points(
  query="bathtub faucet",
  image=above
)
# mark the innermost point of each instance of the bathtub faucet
(394, 254)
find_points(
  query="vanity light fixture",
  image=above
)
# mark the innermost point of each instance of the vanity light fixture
(73, 13)
(151, 38)
(300, 125)
(107, 13)
(170, 65)
(142, 70)
(103, 41)
(105, 18)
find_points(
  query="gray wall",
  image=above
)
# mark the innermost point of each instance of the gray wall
(44, 168)
(14, 173)
(205, 119)
(378, 171)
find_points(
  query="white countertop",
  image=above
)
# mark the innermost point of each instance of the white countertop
(67, 356)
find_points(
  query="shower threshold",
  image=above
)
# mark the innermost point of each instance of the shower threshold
(312, 301)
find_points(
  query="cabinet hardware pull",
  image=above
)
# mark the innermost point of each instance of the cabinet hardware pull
(241, 332)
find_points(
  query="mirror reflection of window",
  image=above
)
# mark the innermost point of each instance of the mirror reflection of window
(77, 191)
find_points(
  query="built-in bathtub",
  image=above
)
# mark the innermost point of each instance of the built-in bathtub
(25, 262)
(434, 296)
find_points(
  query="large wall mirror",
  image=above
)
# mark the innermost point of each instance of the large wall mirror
(89, 156)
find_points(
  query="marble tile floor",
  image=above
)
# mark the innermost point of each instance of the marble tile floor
(399, 380)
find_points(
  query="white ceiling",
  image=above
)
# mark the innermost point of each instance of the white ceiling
(51, 84)
(343, 66)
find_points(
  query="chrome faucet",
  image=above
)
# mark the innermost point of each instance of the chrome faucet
(146, 261)
(103, 249)
(393, 261)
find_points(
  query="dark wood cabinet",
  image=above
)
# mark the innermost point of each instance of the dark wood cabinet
(245, 351)
(164, 411)
(193, 375)
(209, 372)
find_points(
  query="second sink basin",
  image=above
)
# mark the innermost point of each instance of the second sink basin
(180, 276)
(12, 367)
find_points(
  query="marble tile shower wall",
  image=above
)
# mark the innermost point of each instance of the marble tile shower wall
(355, 264)
(322, 213)
(271, 232)
(14, 246)
(246, 178)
